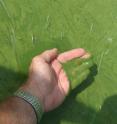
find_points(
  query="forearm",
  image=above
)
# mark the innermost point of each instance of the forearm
(17, 111)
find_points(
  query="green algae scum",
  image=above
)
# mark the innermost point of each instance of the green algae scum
(28, 27)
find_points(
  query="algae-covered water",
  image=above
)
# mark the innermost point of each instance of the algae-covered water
(28, 27)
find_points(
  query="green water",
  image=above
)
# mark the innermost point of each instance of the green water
(28, 27)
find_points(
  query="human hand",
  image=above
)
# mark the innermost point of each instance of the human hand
(47, 79)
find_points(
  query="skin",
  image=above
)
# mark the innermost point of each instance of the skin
(47, 81)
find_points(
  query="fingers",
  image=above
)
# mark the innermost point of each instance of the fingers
(49, 55)
(78, 72)
(84, 66)
(80, 78)
(87, 55)
(64, 82)
(60, 73)
(67, 56)
(56, 66)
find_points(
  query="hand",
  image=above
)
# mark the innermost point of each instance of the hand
(47, 79)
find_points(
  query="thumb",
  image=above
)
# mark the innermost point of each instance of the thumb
(49, 55)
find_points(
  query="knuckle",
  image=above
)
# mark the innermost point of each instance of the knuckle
(35, 59)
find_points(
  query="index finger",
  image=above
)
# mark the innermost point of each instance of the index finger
(72, 54)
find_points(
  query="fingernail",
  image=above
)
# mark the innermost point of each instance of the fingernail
(55, 49)
(86, 56)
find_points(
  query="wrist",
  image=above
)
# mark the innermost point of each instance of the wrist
(33, 101)
(16, 111)
(34, 90)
